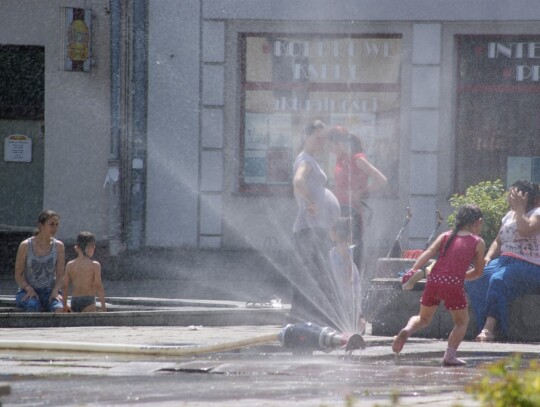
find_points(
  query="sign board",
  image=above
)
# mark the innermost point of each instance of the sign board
(77, 38)
(18, 148)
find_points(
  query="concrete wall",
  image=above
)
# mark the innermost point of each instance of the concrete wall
(428, 96)
(373, 10)
(77, 107)
(254, 221)
(193, 111)
(173, 123)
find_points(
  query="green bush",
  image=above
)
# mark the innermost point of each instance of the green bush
(490, 197)
(508, 384)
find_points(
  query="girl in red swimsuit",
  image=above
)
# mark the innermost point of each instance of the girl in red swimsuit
(456, 250)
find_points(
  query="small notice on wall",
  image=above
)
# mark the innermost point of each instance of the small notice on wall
(18, 148)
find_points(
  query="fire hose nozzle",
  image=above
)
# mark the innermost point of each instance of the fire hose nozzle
(308, 336)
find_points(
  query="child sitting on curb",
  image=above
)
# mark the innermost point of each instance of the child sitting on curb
(84, 274)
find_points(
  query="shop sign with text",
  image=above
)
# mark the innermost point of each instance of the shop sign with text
(289, 80)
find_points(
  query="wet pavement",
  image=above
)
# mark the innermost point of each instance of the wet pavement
(260, 375)
(233, 369)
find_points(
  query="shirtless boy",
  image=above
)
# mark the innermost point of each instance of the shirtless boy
(84, 275)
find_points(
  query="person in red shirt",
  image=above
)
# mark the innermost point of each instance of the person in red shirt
(355, 178)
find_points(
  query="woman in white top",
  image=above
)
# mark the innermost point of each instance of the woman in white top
(512, 262)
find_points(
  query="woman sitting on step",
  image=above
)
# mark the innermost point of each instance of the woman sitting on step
(512, 263)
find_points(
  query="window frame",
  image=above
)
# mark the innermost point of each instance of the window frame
(248, 189)
(500, 88)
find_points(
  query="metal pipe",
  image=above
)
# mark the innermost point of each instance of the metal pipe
(137, 192)
(114, 174)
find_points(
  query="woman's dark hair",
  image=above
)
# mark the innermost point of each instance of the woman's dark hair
(339, 134)
(531, 189)
(314, 125)
(84, 239)
(45, 215)
(466, 215)
(309, 130)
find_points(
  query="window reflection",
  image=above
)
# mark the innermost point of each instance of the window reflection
(288, 81)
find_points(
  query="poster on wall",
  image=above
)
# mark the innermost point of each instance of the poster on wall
(279, 130)
(76, 38)
(255, 167)
(279, 167)
(256, 131)
(18, 148)
(267, 149)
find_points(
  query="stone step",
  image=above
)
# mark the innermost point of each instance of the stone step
(388, 308)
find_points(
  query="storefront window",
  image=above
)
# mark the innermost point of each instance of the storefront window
(290, 80)
(498, 110)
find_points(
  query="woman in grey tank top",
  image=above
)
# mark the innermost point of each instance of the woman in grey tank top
(318, 209)
(39, 267)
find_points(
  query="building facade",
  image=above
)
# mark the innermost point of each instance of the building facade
(61, 109)
(181, 130)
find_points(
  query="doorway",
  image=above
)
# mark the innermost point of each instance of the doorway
(22, 86)
(22, 139)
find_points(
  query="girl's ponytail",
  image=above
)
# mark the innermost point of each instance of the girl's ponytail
(466, 215)
(451, 238)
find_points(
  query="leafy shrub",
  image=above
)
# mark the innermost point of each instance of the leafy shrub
(507, 385)
(490, 197)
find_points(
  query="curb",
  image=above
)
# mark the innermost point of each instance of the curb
(147, 312)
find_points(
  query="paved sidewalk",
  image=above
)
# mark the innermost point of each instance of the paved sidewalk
(234, 369)
(260, 375)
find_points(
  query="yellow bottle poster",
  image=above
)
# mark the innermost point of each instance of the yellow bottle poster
(77, 39)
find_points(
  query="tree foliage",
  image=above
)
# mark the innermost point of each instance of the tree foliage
(508, 384)
(490, 197)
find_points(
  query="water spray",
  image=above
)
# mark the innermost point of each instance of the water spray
(307, 336)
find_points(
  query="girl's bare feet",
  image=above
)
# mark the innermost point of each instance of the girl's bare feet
(450, 358)
(453, 361)
(399, 341)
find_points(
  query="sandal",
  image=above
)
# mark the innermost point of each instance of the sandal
(485, 336)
